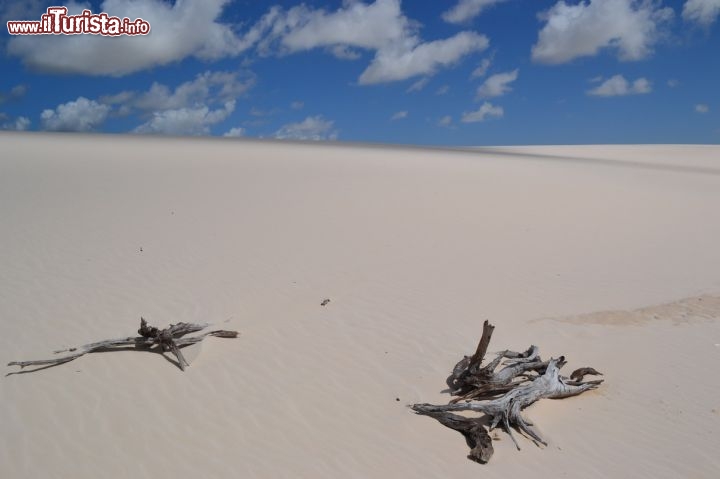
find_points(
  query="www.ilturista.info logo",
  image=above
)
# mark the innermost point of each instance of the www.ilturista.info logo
(57, 22)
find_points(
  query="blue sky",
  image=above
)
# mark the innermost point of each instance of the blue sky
(451, 72)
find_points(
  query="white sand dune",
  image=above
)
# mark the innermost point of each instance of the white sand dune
(414, 248)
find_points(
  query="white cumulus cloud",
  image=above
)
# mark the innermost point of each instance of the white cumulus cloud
(445, 121)
(179, 30)
(217, 86)
(236, 132)
(190, 108)
(485, 111)
(418, 85)
(467, 10)
(345, 53)
(379, 26)
(186, 121)
(311, 128)
(703, 12)
(482, 69)
(400, 115)
(18, 91)
(399, 62)
(369, 26)
(702, 108)
(630, 27)
(15, 93)
(193, 29)
(619, 86)
(497, 85)
(20, 123)
(79, 115)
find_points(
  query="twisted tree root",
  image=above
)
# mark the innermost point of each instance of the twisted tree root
(501, 395)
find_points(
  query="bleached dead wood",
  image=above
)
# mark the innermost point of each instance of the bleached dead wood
(502, 395)
(476, 435)
(169, 339)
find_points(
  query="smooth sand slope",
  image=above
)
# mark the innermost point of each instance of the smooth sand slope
(609, 255)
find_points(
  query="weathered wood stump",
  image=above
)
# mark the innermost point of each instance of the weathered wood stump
(501, 395)
(169, 339)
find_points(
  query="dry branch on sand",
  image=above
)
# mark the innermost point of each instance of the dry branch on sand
(501, 395)
(168, 339)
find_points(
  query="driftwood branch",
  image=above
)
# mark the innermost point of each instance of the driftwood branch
(475, 432)
(150, 338)
(501, 395)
